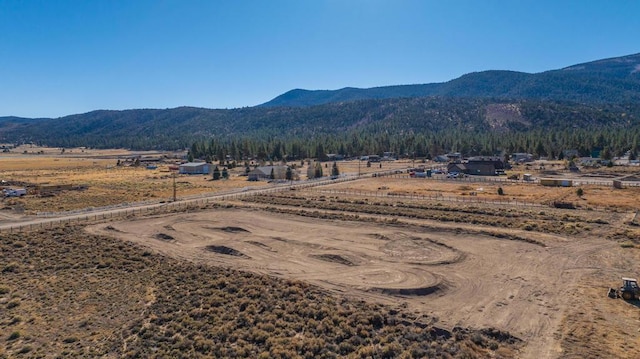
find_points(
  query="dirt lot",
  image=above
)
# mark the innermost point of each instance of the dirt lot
(543, 292)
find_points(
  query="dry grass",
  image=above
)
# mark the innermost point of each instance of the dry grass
(103, 184)
(66, 293)
(594, 196)
(107, 184)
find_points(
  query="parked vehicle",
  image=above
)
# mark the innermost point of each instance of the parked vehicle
(629, 289)
(11, 192)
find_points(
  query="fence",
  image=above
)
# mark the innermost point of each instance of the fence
(442, 198)
(51, 219)
(122, 210)
(496, 179)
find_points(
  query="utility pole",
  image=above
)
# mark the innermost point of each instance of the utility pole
(174, 186)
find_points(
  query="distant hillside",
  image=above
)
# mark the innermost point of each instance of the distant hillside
(180, 127)
(615, 80)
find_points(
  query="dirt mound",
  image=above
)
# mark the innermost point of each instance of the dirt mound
(226, 250)
(335, 258)
(421, 291)
(163, 237)
(232, 229)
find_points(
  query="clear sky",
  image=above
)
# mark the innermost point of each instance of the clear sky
(61, 57)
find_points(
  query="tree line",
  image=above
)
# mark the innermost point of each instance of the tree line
(608, 142)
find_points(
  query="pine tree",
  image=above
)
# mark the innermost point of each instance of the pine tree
(318, 170)
(334, 170)
(216, 174)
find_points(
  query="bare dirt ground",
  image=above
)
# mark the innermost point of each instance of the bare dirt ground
(532, 290)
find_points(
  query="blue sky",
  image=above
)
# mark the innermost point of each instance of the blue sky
(64, 57)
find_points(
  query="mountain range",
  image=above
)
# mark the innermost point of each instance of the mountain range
(614, 80)
(603, 93)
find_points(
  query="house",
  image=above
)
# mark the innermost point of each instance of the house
(264, 173)
(457, 167)
(454, 156)
(441, 158)
(195, 168)
(481, 168)
(522, 157)
(389, 156)
(485, 166)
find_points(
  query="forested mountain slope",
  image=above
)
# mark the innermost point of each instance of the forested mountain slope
(180, 127)
(609, 80)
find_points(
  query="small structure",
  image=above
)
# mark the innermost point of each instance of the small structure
(389, 156)
(374, 158)
(521, 157)
(441, 158)
(454, 156)
(552, 182)
(195, 168)
(264, 173)
(457, 168)
(335, 157)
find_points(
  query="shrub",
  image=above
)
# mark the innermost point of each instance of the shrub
(500, 191)
(13, 304)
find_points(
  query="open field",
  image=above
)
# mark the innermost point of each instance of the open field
(98, 182)
(65, 293)
(537, 286)
(625, 199)
(378, 267)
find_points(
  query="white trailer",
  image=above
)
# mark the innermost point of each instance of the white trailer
(14, 192)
